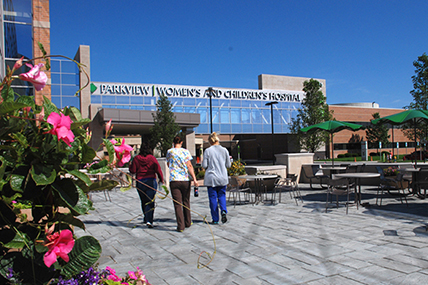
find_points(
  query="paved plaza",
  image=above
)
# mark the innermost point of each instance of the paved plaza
(266, 244)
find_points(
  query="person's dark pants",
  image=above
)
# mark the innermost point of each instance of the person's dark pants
(217, 196)
(147, 196)
(180, 191)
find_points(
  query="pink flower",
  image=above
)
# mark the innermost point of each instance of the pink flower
(112, 275)
(35, 76)
(61, 127)
(18, 64)
(59, 245)
(123, 152)
(109, 127)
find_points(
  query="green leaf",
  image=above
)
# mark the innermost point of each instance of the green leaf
(99, 167)
(83, 204)
(110, 149)
(16, 182)
(43, 174)
(19, 137)
(71, 220)
(88, 153)
(104, 184)
(82, 176)
(7, 107)
(27, 100)
(8, 94)
(67, 191)
(129, 178)
(75, 113)
(77, 124)
(19, 241)
(2, 167)
(47, 63)
(86, 251)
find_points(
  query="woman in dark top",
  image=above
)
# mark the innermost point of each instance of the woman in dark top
(146, 167)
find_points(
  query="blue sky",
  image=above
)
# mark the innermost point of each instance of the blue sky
(363, 49)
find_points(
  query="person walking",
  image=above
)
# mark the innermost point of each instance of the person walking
(216, 161)
(146, 167)
(180, 166)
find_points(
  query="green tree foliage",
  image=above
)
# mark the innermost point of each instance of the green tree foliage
(377, 133)
(420, 97)
(314, 110)
(165, 128)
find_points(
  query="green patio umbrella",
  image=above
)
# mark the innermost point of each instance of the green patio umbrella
(413, 116)
(332, 127)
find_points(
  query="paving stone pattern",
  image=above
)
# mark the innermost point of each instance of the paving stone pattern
(266, 244)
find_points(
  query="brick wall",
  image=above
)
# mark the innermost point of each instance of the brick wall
(41, 33)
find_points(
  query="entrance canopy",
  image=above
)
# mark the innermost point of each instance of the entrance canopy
(127, 122)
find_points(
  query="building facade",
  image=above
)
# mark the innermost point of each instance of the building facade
(249, 125)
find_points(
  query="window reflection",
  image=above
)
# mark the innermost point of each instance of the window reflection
(18, 40)
(18, 10)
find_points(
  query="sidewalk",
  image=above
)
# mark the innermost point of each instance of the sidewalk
(265, 244)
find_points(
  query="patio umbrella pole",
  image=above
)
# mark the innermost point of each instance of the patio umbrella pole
(332, 149)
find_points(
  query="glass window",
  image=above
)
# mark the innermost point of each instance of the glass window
(216, 115)
(55, 65)
(69, 67)
(23, 91)
(178, 109)
(236, 128)
(18, 10)
(224, 116)
(266, 116)
(108, 99)
(246, 103)
(224, 103)
(189, 109)
(204, 115)
(56, 100)
(202, 129)
(245, 116)
(149, 100)
(70, 79)
(55, 89)
(70, 101)
(122, 99)
(137, 100)
(235, 116)
(225, 129)
(257, 128)
(69, 90)
(235, 103)
(19, 40)
(215, 102)
(95, 99)
(202, 102)
(176, 101)
(256, 116)
(247, 128)
(56, 78)
(189, 102)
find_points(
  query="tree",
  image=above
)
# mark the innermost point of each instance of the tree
(165, 128)
(314, 110)
(376, 134)
(420, 98)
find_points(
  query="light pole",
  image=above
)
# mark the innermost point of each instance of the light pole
(271, 120)
(210, 94)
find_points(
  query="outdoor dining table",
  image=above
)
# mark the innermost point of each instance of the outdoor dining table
(357, 176)
(416, 189)
(258, 184)
(333, 169)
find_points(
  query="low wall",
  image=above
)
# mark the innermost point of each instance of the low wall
(294, 161)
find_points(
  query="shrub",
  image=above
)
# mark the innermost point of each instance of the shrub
(237, 168)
